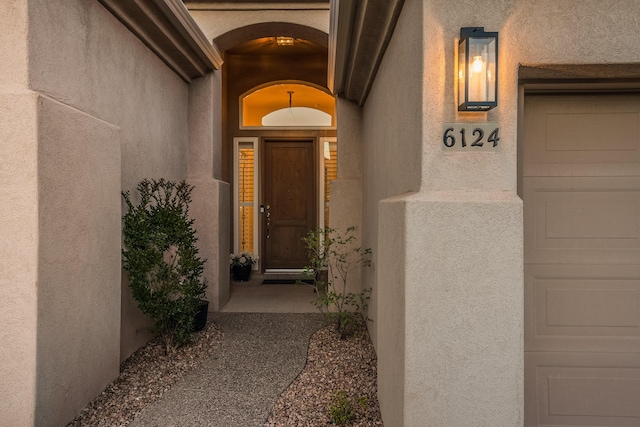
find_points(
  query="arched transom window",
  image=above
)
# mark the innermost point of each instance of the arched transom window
(287, 105)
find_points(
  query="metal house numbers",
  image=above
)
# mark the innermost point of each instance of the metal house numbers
(470, 137)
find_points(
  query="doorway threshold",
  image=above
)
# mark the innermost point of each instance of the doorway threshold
(284, 271)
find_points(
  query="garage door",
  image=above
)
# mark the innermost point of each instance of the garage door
(581, 191)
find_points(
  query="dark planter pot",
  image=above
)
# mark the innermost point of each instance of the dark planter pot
(241, 273)
(200, 321)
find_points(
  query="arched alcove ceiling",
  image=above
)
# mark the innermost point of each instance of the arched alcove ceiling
(253, 57)
(254, 60)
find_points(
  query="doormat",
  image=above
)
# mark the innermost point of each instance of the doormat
(286, 281)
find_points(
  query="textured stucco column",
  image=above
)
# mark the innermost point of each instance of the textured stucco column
(212, 230)
(346, 190)
(450, 276)
(18, 258)
(18, 221)
(79, 259)
(60, 282)
(60, 252)
(211, 196)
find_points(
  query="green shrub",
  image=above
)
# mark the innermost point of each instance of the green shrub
(161, 258)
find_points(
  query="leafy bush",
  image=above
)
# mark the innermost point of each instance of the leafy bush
(161, 258)
(332, 256)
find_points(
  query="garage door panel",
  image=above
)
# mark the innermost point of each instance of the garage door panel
(580, 220)
(573, 308)
(587, 389)
(581, 193)
(581, 130)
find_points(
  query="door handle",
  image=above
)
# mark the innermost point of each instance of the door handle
(268, 225)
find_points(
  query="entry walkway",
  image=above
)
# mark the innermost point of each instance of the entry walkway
(260, 355)
(253, 297)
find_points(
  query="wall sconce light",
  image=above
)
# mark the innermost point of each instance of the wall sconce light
(477, 69)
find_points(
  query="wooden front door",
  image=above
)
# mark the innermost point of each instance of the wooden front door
(289, 200)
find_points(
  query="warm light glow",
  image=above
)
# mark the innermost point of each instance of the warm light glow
(284, 41)
(297, 116)
(267, 99)
(478, 64)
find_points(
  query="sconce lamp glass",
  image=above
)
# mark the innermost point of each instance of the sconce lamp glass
(477, 69)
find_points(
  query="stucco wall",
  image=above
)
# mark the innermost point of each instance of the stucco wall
(78, 276)
(540, 32)
(216, 21)
(13, 45)
(18, 221)
(84, 57)
(461, 228)
(346, 190)
(210, 206)
(18, 257)
(391, 140)
(94, 112)
(391, 136)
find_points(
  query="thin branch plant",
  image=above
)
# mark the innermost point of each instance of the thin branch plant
(333, 255)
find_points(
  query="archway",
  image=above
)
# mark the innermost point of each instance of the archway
(254, 61)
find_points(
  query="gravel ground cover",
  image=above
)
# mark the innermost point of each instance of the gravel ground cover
(145, 377)
(333, 365)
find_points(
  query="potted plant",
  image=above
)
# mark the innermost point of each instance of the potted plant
(241, 265)
(161, 258)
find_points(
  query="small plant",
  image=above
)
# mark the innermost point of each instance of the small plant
(161, 258)
(341, 409)
(332, 256)
(242, 259)
(344, 410)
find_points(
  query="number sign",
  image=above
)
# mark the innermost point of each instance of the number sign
(470, 137)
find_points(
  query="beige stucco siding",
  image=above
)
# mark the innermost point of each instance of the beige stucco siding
(391, 136)
(18, 257)
(13, 44)
(81, 55)
(78, 268)
(461, 231)
(217, 21)
(88, 111)
(463, 309)
(540, 32)
(392, 146)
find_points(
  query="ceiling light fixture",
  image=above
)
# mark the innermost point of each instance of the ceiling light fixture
(284, 41)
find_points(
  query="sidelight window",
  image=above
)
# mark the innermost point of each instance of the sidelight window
(245, 188)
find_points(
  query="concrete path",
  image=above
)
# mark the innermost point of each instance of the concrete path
(260, 355)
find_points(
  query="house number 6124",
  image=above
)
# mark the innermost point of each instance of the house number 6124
(470, 136)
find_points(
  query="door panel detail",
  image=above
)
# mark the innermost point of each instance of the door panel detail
(290, 192)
